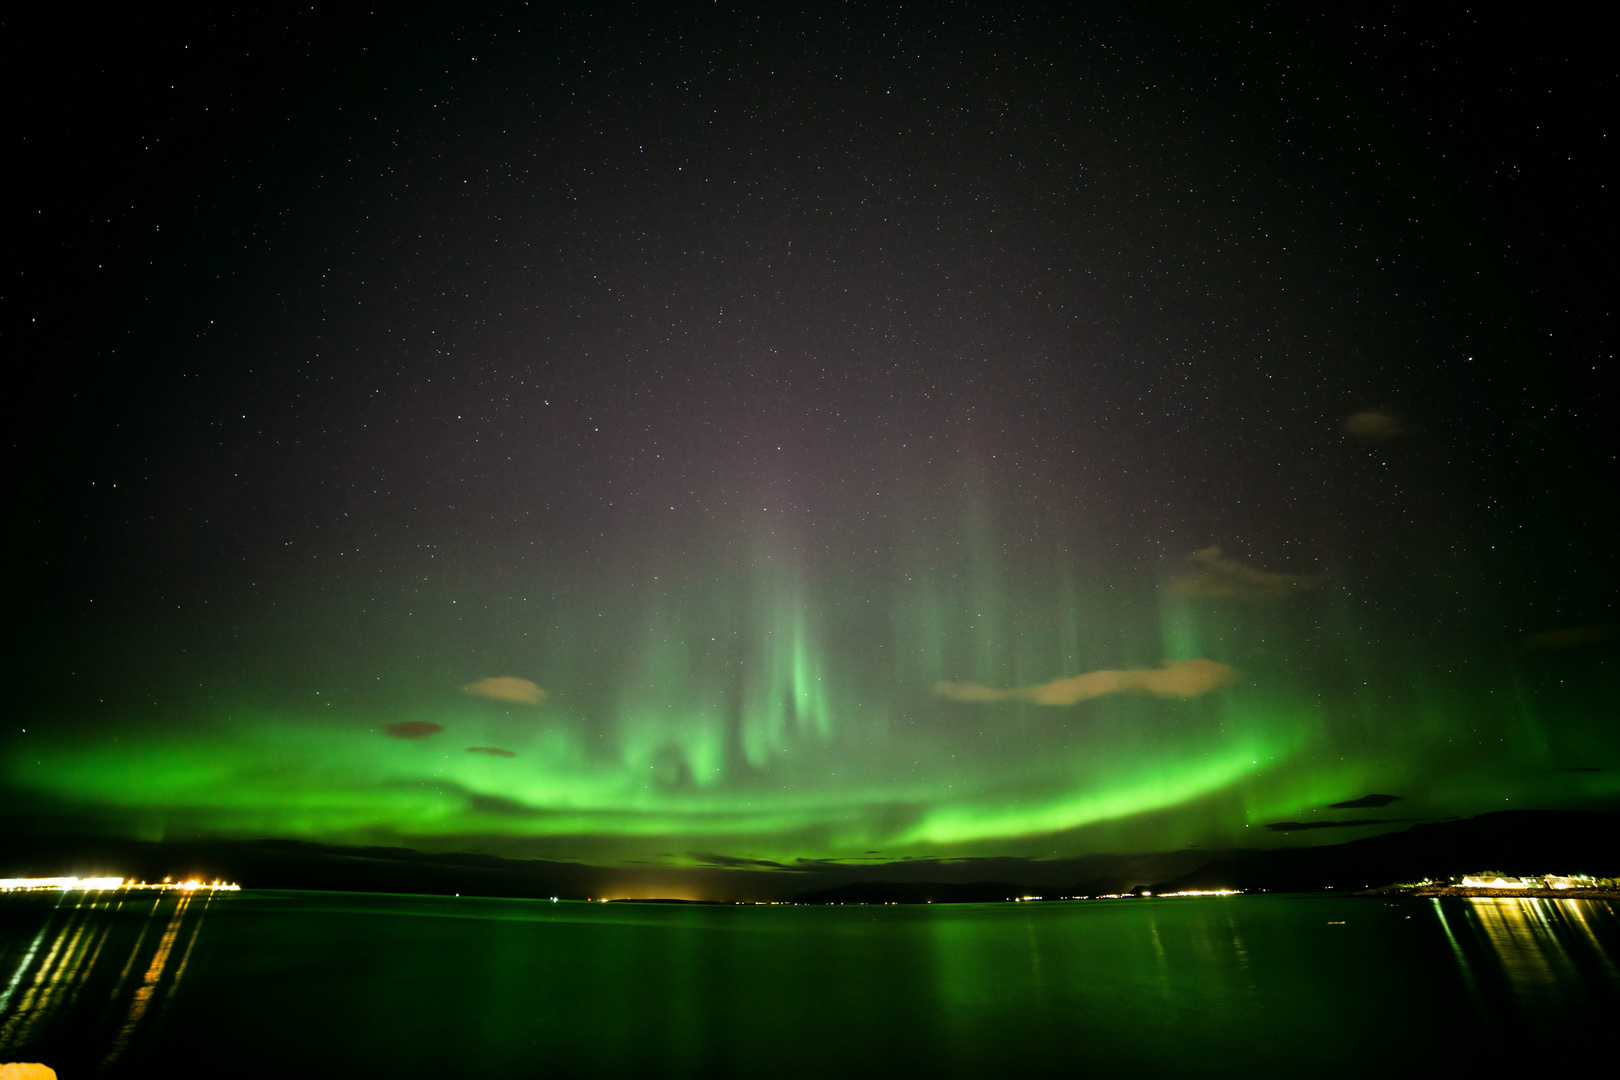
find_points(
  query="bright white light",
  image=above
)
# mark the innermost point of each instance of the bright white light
(25, 883)
(65, 883)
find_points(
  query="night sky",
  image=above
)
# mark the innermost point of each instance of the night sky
(691, 434)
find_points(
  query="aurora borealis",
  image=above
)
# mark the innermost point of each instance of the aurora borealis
(735, 437)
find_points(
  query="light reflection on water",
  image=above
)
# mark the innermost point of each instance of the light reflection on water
(118, 984)
(95, 941)
(1546, 953)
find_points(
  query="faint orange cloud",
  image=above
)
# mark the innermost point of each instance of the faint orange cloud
(1374, 425)
(1183, 679)
(506, 688)
(412, 729)
(1214, 576)
(494, 751)
(972, 691)
(1571, 637)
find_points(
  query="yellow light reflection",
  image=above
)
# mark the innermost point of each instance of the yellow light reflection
(1521, 935)
(1548, 950)
(54, 980)
(44, 981)
(149, 984)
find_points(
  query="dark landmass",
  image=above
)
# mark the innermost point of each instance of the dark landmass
(1514, 841)
(291, 864)
(659, 900)
(912, 892)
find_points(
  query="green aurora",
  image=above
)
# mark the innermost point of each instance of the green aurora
(859, 435)
(772, 715)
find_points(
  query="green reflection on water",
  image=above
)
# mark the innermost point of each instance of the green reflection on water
(419, 986)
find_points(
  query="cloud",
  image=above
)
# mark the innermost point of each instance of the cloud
(1300, 826)
(1571, 637)
(1366, 802)
(494, 751)
(412, 729)
(971, 691)
(1183, 679)
(1374, 425)
(500, 806)
(732, 862)
(506, 688)
(1214, 576)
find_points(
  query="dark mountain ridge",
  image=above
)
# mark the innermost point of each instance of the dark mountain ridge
(911, 892)
(1512, 841)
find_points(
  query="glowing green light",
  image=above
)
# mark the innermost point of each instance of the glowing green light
(767, 712)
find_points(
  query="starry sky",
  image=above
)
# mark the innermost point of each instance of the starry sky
(726, 435)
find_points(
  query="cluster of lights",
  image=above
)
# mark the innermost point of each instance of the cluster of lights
(65, 884)
(26, 884)
(1139, 895)
(1537, 881)
(194, 886)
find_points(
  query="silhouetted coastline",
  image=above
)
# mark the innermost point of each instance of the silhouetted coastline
(1518, 842)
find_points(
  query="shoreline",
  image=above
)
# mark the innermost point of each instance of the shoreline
(1523, 894)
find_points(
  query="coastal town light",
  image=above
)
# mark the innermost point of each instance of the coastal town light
(24, 884)
(97, 883)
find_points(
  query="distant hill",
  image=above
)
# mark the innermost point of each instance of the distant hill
(1512, 841)
(911, 892)
(290, 864)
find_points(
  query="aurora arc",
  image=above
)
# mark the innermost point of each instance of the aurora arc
(778, 718)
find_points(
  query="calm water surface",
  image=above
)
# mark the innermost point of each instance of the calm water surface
(289, 983)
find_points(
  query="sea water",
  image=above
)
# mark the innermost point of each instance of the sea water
(262, 983)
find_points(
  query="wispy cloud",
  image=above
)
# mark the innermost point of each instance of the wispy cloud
(732, 862)
(412, 729)
(972, 691)
(1214, 576)
(1366, 802)
(506, 688)
(1571, 637)
(1374, 425)
(1303, 826)
(493, 751)
(1183, 679)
